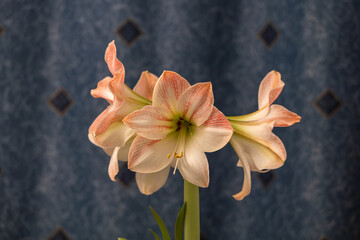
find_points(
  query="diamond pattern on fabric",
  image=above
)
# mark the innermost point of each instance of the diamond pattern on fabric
(269, 34)
(328, 103)
(129, 31)
(60, 101)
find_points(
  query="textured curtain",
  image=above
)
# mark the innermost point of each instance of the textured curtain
(53, 181)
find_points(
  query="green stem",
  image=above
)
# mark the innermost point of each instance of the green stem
(192, 215)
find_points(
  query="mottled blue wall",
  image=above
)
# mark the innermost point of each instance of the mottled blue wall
(53, 181)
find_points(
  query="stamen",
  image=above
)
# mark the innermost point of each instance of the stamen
(177, 161)
(180, 145)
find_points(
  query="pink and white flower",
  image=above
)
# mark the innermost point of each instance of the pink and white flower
(108, 131)
(175, 131)
(257, 147)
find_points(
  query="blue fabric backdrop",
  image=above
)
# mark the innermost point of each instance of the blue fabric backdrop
(53, 181)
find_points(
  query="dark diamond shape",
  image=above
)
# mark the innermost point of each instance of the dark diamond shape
(125, 176)
(60, 101)
(2, 30)
(129, 31)
(266, 178)
(58, 234)
(269, 34)
(327, 103)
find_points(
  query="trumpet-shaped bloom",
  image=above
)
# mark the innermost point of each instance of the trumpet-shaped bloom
(108, 131)
(176, 130)
(257, 147)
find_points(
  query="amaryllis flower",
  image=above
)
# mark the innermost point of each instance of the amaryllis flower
(176, 130)
(257, 147)
(108, 131)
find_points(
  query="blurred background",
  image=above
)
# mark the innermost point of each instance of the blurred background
(53, 181)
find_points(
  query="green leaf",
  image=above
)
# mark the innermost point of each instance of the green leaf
(179, 224)
(161, 224)
(155, 235)
(122, 239)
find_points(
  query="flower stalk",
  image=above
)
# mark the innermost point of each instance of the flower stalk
(192, 216)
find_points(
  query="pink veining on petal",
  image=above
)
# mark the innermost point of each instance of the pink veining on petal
(150, 122)
(145, 85)
(113, 168)
(270, 88)
(168, 90)
(214, 133)
(116, 86)
(115, 66)
(103, 90)
(149, 156)
(102, 122)
(281, 117)
(196, 103)
(217, 120)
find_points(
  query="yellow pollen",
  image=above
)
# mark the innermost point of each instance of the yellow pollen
(178, 156)
(168, 156)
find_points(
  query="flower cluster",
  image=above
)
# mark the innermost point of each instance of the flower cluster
(166, 123)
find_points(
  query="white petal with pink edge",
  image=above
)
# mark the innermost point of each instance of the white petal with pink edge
(194, 166)
(257, 156)
(213, 134)
(145, 85)
(113, 168)
(262, 133)
(123, 152)
(150, 122)
(168, 89)
(149, 156)
(114, 136)
(269, 89)
(243, 162)
(148, 183)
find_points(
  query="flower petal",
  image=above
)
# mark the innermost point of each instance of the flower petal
(213, 134)
(150, 122)
(103, 121)
(270, 88)
(113, 168)
(116, 86)
(196, 103)
(114, 136)
(123, 152)
(103, 90)
(258, 156)
(168, 89)
(246, 188)
(149, 156)
(194, 166)
(115, 66)
(279, 116)
(145, 85)
(148, 183)
(275, 116)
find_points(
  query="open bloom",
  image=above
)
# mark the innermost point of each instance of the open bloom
(176, 130)
(257, 147)
(108, 131)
